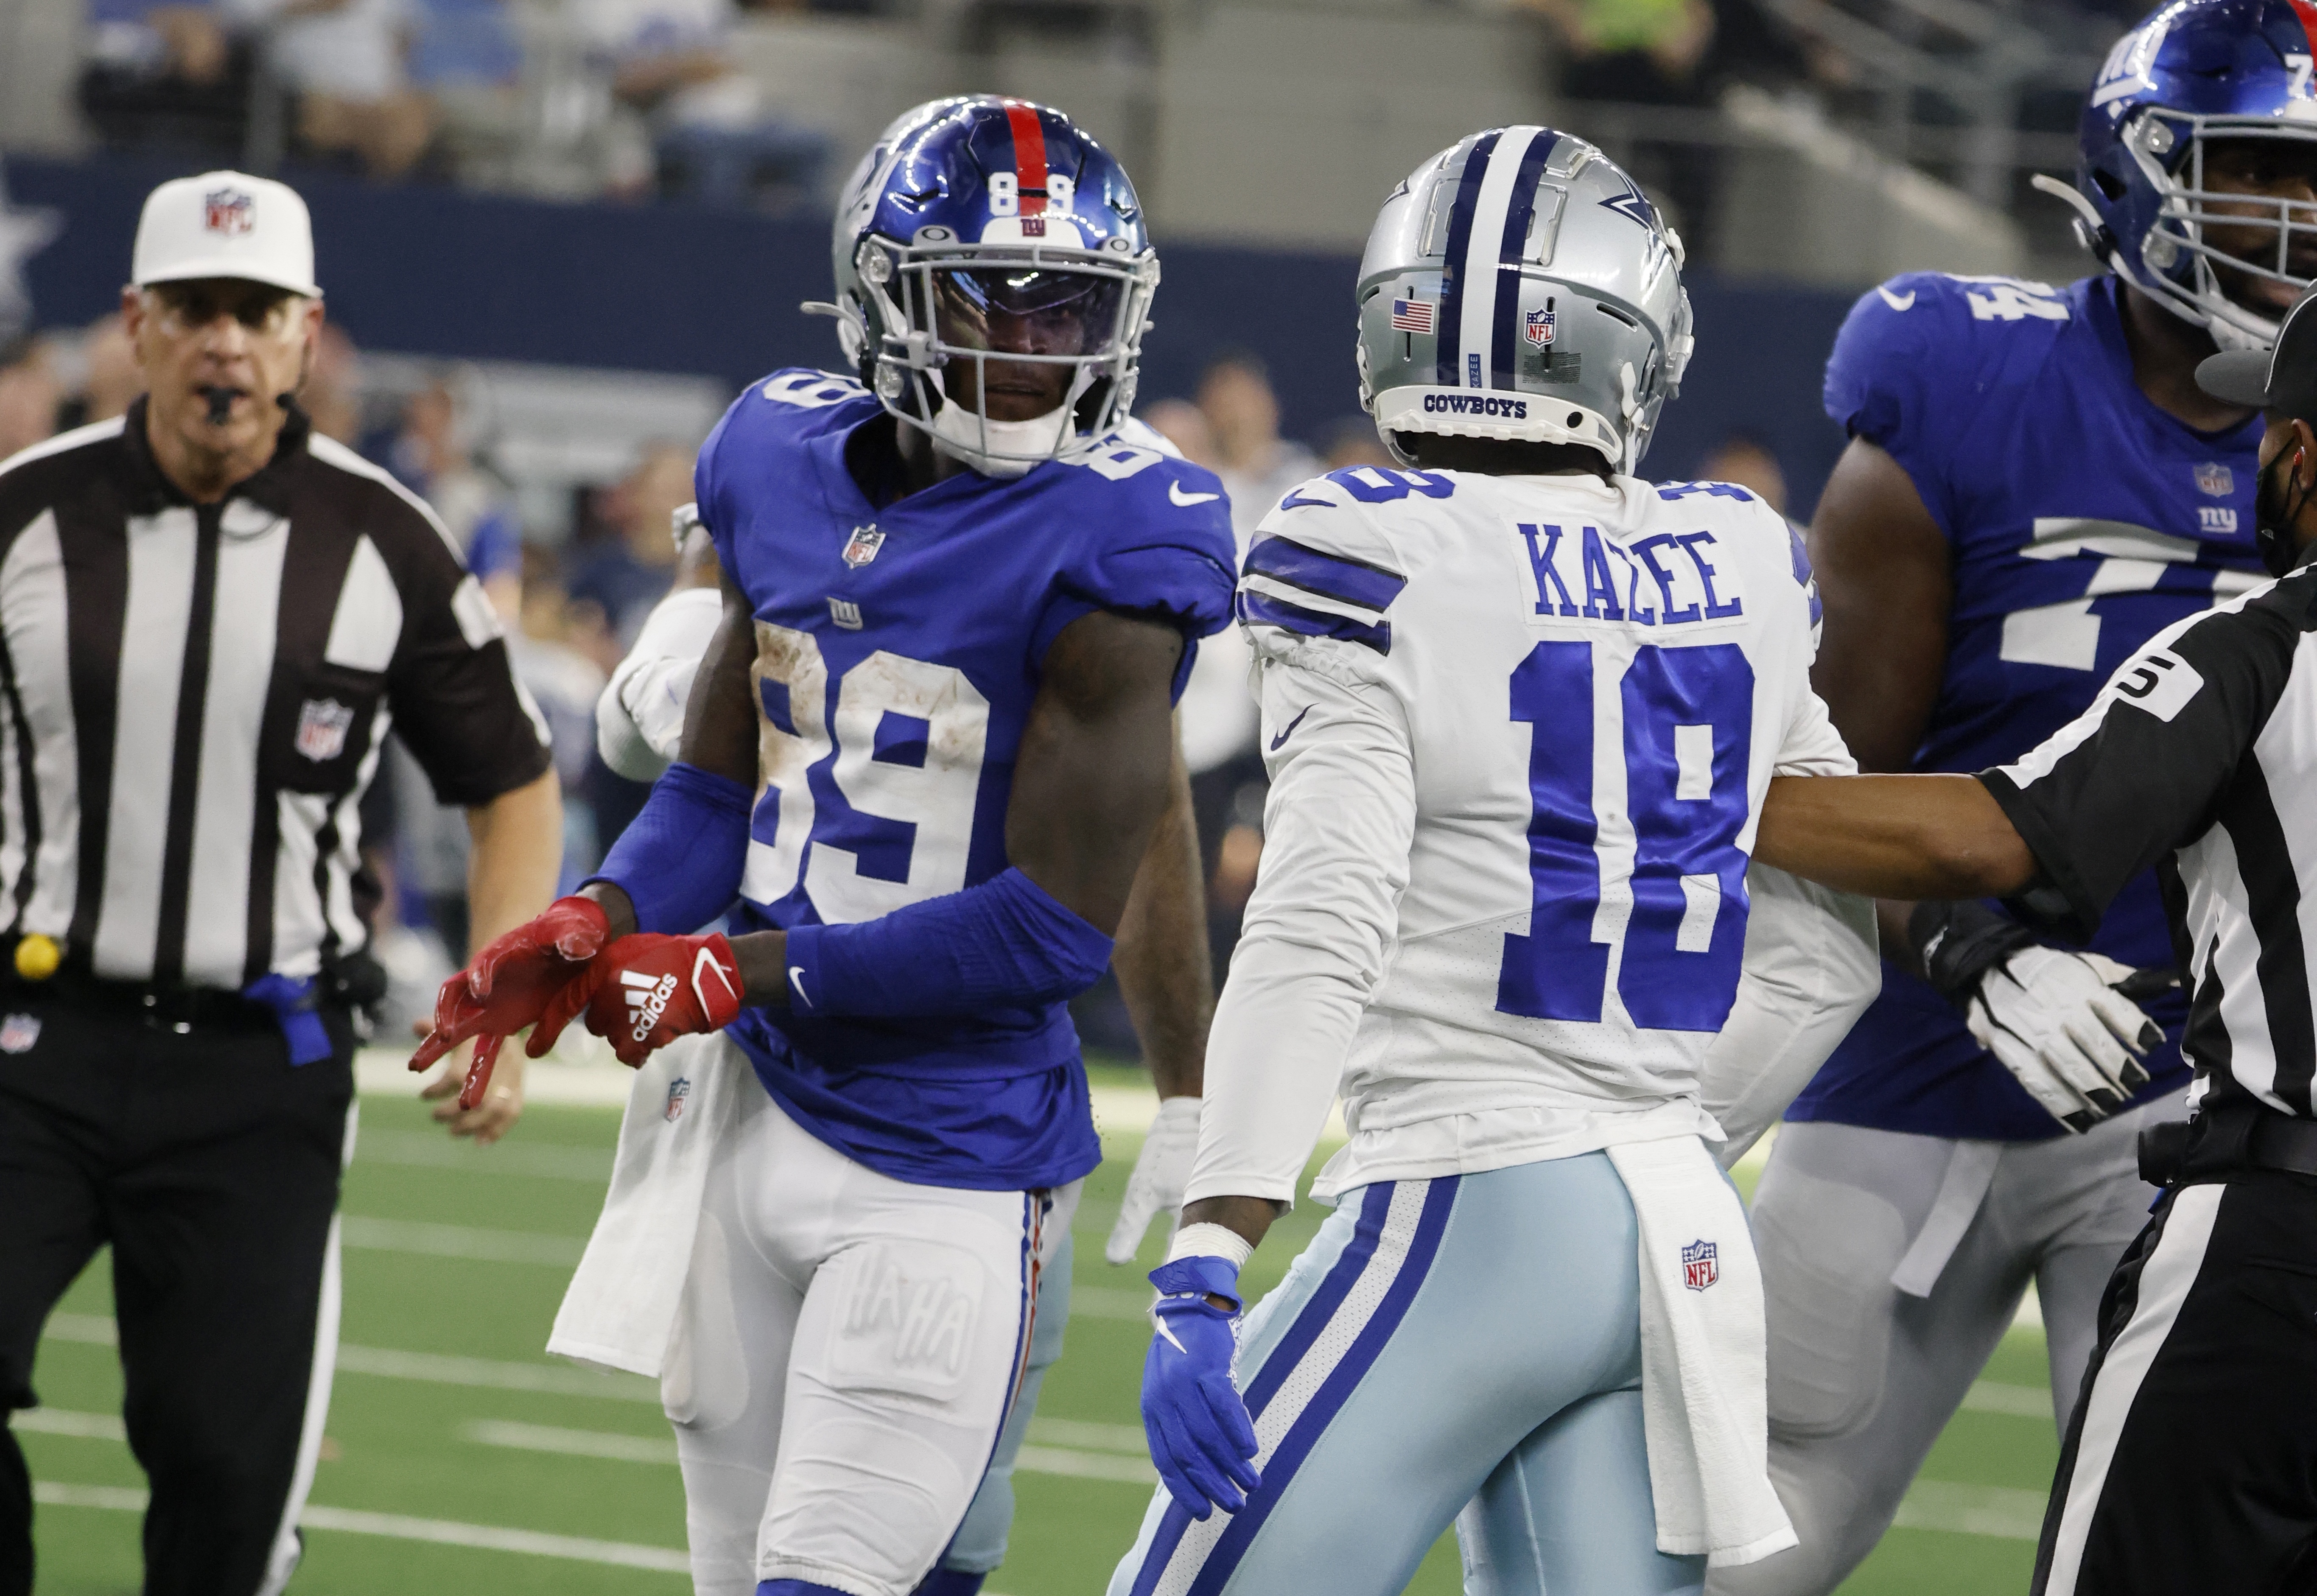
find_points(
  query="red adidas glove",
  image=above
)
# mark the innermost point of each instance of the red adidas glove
(508, 985)
(645, 991)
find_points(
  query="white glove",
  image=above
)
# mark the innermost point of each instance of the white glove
(1161, 1171)
(2050, 1018)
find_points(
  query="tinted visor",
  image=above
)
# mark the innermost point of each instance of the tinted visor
(1027, 310)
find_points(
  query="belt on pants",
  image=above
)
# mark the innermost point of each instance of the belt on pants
(2229, 1140)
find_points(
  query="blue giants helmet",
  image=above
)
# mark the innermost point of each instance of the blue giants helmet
(2195, 73)
(978, 210)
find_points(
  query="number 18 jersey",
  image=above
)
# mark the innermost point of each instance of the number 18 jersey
(1519, 730)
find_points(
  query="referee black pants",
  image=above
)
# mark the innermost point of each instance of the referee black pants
(2191, 1463)
(211, 1167)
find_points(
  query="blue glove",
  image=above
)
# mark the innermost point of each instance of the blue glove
(1200, 1435)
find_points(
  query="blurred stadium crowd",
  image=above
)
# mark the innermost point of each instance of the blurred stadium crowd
(672, 102)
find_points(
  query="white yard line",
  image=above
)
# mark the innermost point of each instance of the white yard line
(2005, 1512)
(439, 1368)
(460, 1241)
(543, 1161)
(489, 1538)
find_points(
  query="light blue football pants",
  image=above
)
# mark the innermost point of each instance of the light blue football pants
(1469, 1340)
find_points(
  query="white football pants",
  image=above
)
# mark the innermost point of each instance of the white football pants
(1862, 1375)
(848, 1351)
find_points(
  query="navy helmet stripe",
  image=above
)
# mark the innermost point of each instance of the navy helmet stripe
(1506, 344)
(1451, 271)
(1347, 581)
(1263, 610)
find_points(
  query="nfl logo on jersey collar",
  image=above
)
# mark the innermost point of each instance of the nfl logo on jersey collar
(862, 546)
(2216, 479)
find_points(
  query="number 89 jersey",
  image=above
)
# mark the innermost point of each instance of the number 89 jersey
(1520, 730)
(898, 655)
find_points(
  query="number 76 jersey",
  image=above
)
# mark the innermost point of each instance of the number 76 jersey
(1520, 730)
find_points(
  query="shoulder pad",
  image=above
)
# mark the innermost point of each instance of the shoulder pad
(1321, 566)
(806, 389)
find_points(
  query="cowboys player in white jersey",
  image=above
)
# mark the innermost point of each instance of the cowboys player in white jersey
(1520, 711)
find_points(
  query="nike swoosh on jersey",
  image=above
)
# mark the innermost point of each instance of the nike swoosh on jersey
(796, 980)
(1279, 740)
(1176, 494)
(1897, 301)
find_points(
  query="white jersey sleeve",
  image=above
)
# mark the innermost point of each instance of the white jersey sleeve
(1339, 828)
(1320, 926)
(640, 718)
(1813, 963)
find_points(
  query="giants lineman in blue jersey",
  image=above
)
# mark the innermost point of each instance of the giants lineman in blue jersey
(926, 751)
(2035, 486)
(1520, 710)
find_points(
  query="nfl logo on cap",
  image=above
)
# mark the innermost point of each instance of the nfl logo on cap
(228, 210)
(1537, 326)
(1701, 1265)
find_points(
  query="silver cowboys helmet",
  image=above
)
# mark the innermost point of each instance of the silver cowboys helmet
(1519, 285)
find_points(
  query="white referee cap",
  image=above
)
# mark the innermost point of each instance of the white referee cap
(226, 224)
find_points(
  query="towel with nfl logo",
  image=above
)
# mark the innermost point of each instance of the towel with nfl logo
(620, 1310)
(1705, 1400)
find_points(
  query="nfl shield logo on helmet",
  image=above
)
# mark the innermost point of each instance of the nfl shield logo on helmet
(18, 1032)
(228, 210)
(862, 548)
(2216, 480)
(678, 1090)
(1537, 326)
(1701, 1265)
(322, 724)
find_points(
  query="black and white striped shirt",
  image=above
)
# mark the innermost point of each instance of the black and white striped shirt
(2200, 757)
(192, 698)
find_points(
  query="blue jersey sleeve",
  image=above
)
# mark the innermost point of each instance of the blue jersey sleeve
(1152, 535)
(1903, 371)
(758, 442)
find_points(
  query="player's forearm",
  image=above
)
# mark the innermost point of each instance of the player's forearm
(1249, 1218)
(1893, 836)
(1164, 971)
(516, 855)
(719, 721)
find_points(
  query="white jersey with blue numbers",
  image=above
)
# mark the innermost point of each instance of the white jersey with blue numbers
(2081, 520)
(899, 651)
(1520, 729)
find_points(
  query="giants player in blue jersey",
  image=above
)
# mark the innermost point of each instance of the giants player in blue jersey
(2035, 485)
(924, 758)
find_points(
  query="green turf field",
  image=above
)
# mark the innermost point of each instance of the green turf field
(462, 1459)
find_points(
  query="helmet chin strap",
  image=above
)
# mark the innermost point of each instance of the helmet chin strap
(1008, 449)
(1003, 449)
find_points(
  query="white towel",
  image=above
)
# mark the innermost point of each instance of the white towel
(622, 1305)
(1704, 1399)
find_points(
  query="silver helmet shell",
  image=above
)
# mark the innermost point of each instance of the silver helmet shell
(1519, 285)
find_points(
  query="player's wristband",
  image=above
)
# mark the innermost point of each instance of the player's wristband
(1960, 941)
(1186, 1283)
(1210, 1241)
(681, 858)
(1005, 943)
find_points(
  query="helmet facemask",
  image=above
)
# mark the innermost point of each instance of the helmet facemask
(2181, 264)
(954, 331)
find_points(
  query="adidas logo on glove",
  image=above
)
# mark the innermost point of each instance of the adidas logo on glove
(647, 999)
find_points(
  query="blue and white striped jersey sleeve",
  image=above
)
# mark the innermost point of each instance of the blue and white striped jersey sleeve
(1320, 569)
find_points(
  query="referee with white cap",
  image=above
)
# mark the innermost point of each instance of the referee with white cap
(2191, 1462)
(208, 618)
